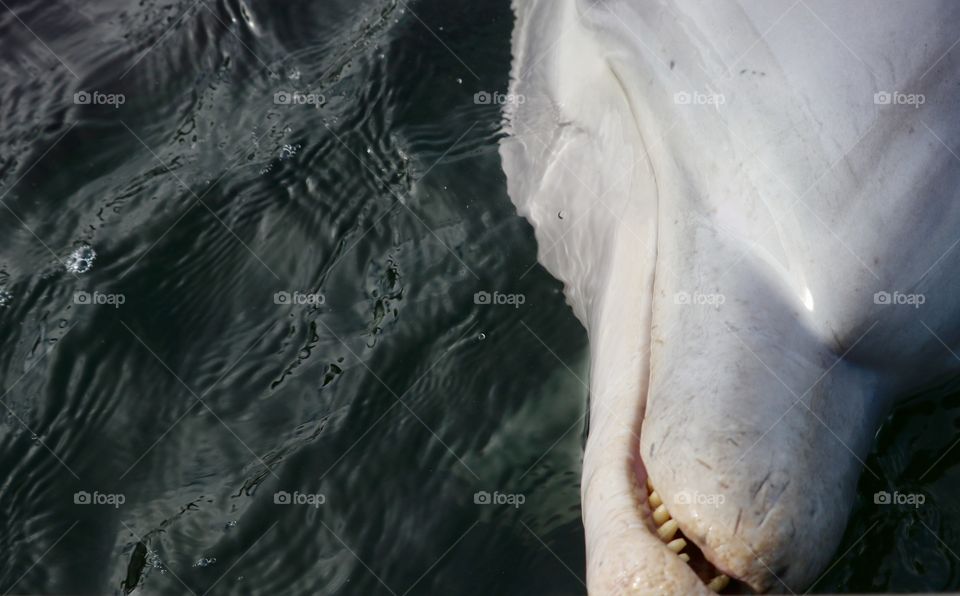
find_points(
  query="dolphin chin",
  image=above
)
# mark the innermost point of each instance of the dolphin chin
(752, 206)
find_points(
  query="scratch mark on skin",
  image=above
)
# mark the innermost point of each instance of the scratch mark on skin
(773, 504)
(704, 464)
(736, 527)
(761, 485)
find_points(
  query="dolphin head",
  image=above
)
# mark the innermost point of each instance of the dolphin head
(758, 234)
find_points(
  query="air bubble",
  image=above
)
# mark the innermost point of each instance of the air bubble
(205, 562)
(81, 260)
(288, 151)
(154, 560)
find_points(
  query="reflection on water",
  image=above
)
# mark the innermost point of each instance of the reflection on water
(243, 350)
(242, 347)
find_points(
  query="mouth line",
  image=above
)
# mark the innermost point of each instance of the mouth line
(676, 542)
(654, 510)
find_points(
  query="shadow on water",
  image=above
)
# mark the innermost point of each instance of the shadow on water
(279, 375)
(300, 362)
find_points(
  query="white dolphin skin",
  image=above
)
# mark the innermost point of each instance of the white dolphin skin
(753, 206)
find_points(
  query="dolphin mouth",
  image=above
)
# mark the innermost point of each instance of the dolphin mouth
(655, 511)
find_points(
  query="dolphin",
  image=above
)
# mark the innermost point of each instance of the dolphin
(753, 207)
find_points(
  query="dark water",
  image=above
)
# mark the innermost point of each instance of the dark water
(161, 407)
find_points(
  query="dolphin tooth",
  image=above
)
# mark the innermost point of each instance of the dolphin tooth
(718, 583)
(649, 484)
(667, 530)
(677, 545)
(655, 500)
(684, 557)
(660, 515)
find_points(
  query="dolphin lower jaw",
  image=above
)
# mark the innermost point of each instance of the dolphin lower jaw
(746, 416)
(748, 477)
(756, 420)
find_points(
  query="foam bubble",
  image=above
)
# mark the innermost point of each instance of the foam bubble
(81, 259)
(205, 562)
